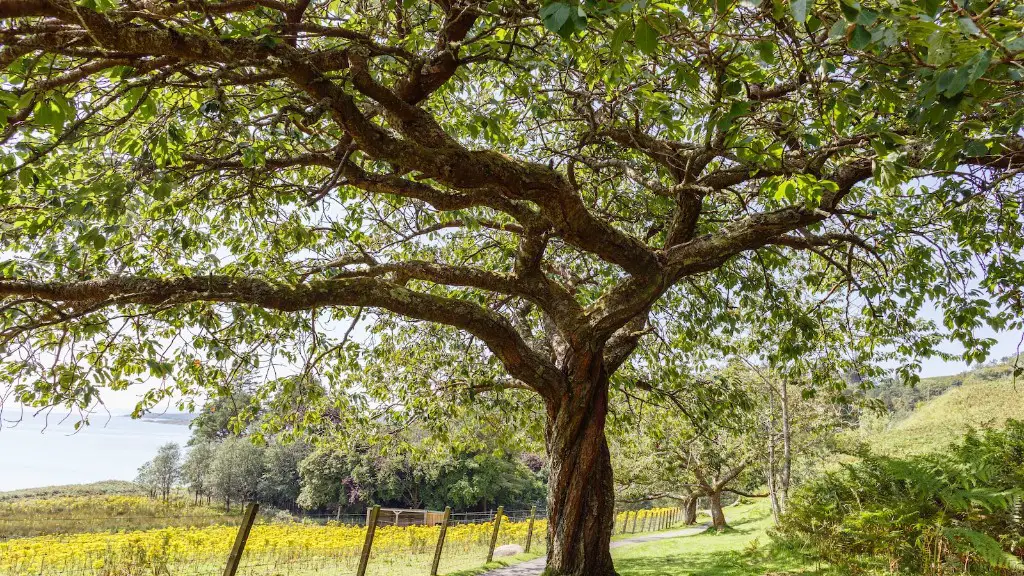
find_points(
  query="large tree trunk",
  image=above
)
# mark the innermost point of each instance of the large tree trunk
(717, 515)
(581, 497)
(690, 511)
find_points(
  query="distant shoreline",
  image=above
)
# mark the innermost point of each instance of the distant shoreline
(172, 418)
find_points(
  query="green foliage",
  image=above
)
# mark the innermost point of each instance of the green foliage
(937, 412)
(920, 515)
(356, 474)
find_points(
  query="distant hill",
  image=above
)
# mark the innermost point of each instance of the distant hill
(981, 398)
(104, 488)
(177, 418)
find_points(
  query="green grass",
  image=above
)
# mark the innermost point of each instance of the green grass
(510, 561)
(742, 550)
(987, 399)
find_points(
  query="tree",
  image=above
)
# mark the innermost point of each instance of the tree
(236, 470)
(195, 181)
(197, 471)
(280, 484)
(696, 437)
(326, 480)
(221, 416)
(162, 472)
(146, 479)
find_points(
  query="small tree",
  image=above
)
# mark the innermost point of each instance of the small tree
(147, 480)
(326, 479)
(280, 484)
(236, 470)
(166, 468)
(688, 437)
(197, 471)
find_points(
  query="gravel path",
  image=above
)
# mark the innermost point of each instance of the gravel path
(535, 567)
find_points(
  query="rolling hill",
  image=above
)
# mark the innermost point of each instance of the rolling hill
(981, 398)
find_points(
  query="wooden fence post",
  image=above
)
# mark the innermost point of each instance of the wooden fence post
(494, 535)
(625, 523)
(440, 540)
(636, 516)
(371, 529)
(529, 528)
(248, 517)
(643, 524)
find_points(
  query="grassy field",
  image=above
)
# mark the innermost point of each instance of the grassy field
(70, 514)
(742, 550)
(987, 398)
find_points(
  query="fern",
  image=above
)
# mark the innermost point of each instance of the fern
(920, 515)
(967, 541)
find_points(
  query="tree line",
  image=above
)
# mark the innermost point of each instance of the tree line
(344, 476)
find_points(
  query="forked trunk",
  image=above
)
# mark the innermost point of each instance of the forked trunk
(690, 511)
(581, 495)
(717, 515)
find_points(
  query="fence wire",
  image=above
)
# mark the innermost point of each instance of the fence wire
(190, 543)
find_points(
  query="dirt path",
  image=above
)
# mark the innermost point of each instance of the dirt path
(535, 567)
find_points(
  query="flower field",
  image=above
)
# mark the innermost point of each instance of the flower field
(99, 513)
(273, 548)
(288, 548)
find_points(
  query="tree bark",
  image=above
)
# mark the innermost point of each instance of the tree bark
(690, 511)
(581, 495)
(773, 485)
(787, 450)
(717, 514)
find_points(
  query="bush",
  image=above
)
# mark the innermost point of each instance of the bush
(954, 513)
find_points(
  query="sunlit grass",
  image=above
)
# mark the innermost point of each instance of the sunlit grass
(742, 550)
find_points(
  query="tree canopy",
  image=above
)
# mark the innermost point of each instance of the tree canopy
(190, 188)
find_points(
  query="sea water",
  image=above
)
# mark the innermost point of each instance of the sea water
(46, 450)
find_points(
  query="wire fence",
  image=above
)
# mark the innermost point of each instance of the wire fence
(186, 543)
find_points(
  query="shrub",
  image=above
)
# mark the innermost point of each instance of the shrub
(953, 513)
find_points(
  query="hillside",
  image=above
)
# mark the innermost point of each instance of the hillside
(104, 488)
(981, 398)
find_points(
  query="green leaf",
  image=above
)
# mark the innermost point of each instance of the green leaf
(49, 113)
(838, 30)
(851, 10)
(646, 38)
(622, 33)
(799, 9)
(766, 50)
(978, 65)
(930, 7)
(555, 15)
(860, 38)
(955, 81)
(967, 26)
(786, 190)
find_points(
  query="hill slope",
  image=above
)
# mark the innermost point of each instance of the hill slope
(987, 397)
